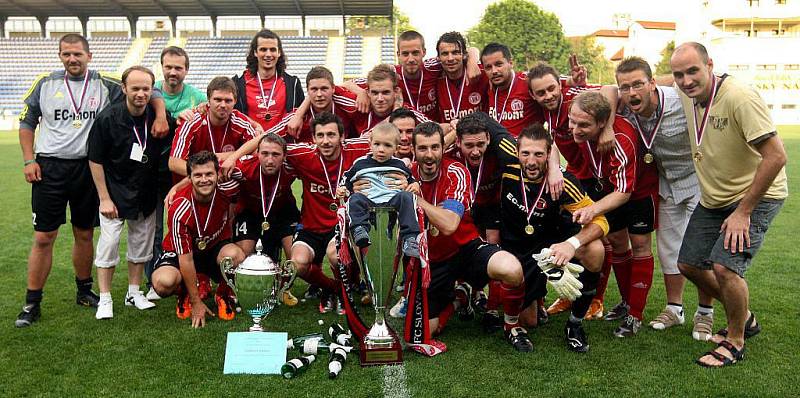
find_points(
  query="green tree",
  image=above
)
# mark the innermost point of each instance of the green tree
(402, 23)
(662, 67)
(531, 33)
(590, 54)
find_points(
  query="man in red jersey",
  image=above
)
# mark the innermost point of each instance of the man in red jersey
(456, 250)
(323, 96)
(198, 240)
(458, 96)
(265, 91)
(624, 190)
(221, 130)
(555, 97)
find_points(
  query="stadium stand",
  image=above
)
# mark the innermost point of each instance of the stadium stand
(352, 56)
(387, 50)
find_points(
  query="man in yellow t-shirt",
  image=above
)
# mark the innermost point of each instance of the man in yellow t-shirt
(740, 163)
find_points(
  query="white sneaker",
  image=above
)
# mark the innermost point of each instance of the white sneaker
(399, 309)
(105, 310)
(138, 300)
(152, 295)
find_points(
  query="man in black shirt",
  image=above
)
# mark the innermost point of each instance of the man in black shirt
(123, 158)
(532, 221)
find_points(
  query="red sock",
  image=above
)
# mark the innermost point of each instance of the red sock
(641, 278)
(513, 298)
(622, 272)
(495, 296)
(445, 315)
(605, 272)
(316, 277)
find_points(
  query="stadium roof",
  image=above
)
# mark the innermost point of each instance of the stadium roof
(143, 8)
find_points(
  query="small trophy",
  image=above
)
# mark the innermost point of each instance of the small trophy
(259, 283)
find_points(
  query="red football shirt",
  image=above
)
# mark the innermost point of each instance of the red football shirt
(452, 183)
(488, 191)
(190, 221)
(198, 135)
(418, 94)
(344, 106)
(305, 161)
(558, 124)
(256, 189)
(269, 97)
(514, 107)
(457, 99)
(364, 122)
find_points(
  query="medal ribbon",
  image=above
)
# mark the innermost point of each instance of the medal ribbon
(142, 141)
(698, 130)
(211, 135)
(597, 166)
(460, 94)
(265, 209)
(271, 92)
(76, 108)
(328, 179)
(528, 210)
(510, 86)
(550, 125)
(419, 90)
(651, 137)
(201, 235)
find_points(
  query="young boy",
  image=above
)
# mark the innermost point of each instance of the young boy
(373, 167)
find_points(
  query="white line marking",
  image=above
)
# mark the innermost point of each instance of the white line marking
(394, 382)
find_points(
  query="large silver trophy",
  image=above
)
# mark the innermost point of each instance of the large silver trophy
(381, 345)
(258, 283)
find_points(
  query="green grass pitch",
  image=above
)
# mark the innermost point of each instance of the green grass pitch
(69, 353)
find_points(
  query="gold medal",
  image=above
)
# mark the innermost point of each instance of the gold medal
(267, 117)
(599, 186)
(333, 207)
(77, 124)
(434, 231)
(648, 158)
(698, 156)
(529, 229)
(144, 158)
(265, 226)
(202, 244)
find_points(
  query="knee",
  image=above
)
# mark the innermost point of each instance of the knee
(591, 255)
(165, 281)
(83, 235)
(723, 273)
(503, 266)
(43, 240)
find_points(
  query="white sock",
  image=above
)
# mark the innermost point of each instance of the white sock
(105, 296)
(133, 289)
(676, 309)
(511, 320)
(702, 310)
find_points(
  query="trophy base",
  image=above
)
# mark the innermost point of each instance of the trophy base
(386, 354)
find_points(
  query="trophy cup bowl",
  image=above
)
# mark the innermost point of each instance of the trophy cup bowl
(381, 345)
(258, 283)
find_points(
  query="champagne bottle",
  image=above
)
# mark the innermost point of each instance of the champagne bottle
(338, 356)
(298, 341)
(296, 366)
(314, 346)
(339, 335)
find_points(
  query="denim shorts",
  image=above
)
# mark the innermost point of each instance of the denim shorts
(703, 242)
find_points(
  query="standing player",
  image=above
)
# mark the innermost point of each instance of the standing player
(456, 250)
(265, 91)
(123, 158)
(197, 241)
(740, 162)
(532, 221)
(624, 190)
(458, 96)
(657, 114)
(178, 96)
(64, 104)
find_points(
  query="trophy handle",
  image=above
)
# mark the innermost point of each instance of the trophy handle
(227, 269)
(288, 271)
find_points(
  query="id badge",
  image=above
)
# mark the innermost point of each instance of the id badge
(137, 152)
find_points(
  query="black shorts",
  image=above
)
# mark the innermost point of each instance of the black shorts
(247, 226)
(64, 181)
(318, 242)
(637, 215)
(470, 264)
(205, 261)
(486, 216)
(535, 281)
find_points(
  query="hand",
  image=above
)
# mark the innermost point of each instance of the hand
(563, 279)
(108, 209)
(577, 71)
(555, 182)
(295, 125)
(473, 71)
(584, 215)
(398, 99)
(362, 102)
(199, 311)
(454, 124)
(170, 196)
(414, 188)
(737, 232)
(342, 192)
(160, 127)
(186, 115)
(226, 168)
(562, 253)
(395, 181)
(33, 172)
(361, 185)
(606, 140)
(258, 128)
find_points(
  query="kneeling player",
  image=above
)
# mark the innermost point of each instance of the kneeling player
(532, 221)
(198, 240)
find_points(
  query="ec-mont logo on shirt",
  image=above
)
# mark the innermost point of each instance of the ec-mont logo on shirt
(262, 102)
(318, 188)
(718, 123)
(432, 94)
(475, 98)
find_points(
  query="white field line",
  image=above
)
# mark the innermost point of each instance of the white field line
(394, 382)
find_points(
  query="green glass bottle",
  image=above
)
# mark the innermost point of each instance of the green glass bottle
(295, 367)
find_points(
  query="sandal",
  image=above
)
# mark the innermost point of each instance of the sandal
(751, 328)
(736, 356)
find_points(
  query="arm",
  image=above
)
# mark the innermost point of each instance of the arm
(160, 125)
(189, 274)
(445, 220)
(472, 69)
(362, 100)
(33, 172)
(610, 202)
(555, 178)
(296, 121)
(107, 207)
(177, 166)
(605, 142)
(737, 226)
